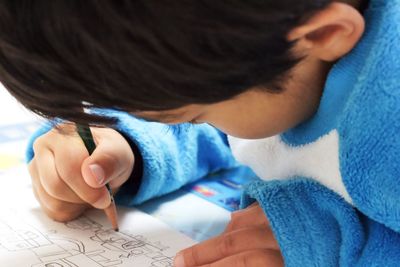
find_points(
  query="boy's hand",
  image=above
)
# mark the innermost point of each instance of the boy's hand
(66, 181)
(247, 242)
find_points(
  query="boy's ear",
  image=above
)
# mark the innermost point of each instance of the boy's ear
(329, 33)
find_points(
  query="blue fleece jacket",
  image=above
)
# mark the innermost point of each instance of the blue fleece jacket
(355, 219)
(335, 201)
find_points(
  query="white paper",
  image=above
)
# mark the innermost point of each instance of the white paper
(29, 238)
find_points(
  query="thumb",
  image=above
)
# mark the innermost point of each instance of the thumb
(108, 164)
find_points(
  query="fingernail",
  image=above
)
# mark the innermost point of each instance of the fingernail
(179, 261)
(102, 202)
(98, 173)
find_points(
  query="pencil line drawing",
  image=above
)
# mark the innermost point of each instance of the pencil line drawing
(51, 249)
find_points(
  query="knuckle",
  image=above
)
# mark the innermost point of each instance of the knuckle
(195, 256)
(68, 170)
(254, 258)
(69, 162)
(56, 206)
(245, 260)
(32, 169)
(68, 174)
(61, 212)
(226, 244)
(262, 258)
(54, 187)
(39, 143)
(61, 216)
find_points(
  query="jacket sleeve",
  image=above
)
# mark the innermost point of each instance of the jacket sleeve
(171, 156)
(316, 227)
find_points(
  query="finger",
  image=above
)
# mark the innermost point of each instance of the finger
(55, 209)
(229, 244)
(111, 161)
(50, 179)
(251, 216)
(255, 258)
(71, 173)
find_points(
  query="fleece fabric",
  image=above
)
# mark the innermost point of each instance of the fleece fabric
(329, 187)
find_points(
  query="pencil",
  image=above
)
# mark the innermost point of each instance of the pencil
(87, 138)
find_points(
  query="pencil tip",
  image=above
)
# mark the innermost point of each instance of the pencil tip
(116, 230)
(111, 213)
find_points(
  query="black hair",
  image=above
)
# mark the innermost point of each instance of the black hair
(58, 57)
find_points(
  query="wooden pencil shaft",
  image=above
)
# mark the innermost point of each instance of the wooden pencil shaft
(87, 138)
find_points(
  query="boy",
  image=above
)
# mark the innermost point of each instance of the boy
(319, 100)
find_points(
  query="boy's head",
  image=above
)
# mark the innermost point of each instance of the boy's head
(251, 68)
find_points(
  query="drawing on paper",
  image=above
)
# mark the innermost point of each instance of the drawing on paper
(54, 250)
(126, 244)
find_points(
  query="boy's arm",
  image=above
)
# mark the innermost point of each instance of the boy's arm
(165, 158)
(316, 227)
(171, 156)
